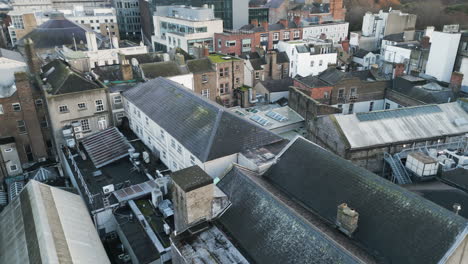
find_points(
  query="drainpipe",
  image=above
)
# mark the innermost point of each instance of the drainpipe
(251, 100)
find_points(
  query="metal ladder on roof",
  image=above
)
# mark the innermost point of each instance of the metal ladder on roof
(399, 172)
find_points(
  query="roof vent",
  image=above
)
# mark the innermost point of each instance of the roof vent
(346, 219)
(456, 208)
(226, 58)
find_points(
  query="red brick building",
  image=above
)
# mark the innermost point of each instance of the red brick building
(23, 118)
(333, 10)
(252, 36)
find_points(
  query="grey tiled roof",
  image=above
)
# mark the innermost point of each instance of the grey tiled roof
(394, 224)
(12, 55)
(206, 129)
(361, 53)
(268, 230)
(200, 65)
(281, 85)
(162, 69)
(63, 79)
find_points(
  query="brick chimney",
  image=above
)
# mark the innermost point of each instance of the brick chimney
(297, 20)
(347, 219)
(127, 71)
(399, 70)
(456, 82)
(425, 42)
(206, 52)
(265, 25)
(192, 194)
(345, 45)
(32, 59)
(254, 22)
(284, 22)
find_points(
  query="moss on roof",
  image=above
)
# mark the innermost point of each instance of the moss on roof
(220, 58)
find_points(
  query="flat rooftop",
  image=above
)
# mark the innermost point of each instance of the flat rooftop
(220, 58)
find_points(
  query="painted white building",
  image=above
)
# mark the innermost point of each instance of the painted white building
(183, 27)
(308, 57)
(335, 31)
(365, 59)
(185, 129)
(442, 55)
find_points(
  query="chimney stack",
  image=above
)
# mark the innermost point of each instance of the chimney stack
(265, 25)
(425, 42)
(127, 71)
(32, 59)
(399, 70)
(206, 52)
(115, 42)
(193, 194)
(347, 219)
(456, 82)
(345, 45)
(179, 59)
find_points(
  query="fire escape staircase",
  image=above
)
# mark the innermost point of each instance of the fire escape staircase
(399, 173)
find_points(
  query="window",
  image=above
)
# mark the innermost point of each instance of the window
(204, 78)
(1, 110)
(353, 92)
(174, 164)
(387, 106)
(21, 126)
(220, 43)
(102, 123)
(179, 149)
(164, 154)
(206, 93)
(117, 99)
(230, 43)
(223, 88)
(139, 114)
(43, 122)
(237, 80)
(173, 145)
(351, 108)
(85, 125)
(38, 103)
(224, 72)
(162, 134)
(340, 93)
(371, 106)
(320, 62)
(16, 107)
(81, 106)
(17, 22)
(13, 167)
(99, 105)
(286, 35)
(192, 160)
(312, 63)
(297, 34)
(325, 95)
(147, 120)
(63, 109)
(275, 36)
(119, 116)
(28, 151)
(257, 75)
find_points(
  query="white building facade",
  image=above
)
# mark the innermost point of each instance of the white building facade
(442, 55)
(307, 58)
(334, 31)
(183, 27)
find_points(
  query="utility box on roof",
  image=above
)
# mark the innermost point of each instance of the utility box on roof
(421, 164)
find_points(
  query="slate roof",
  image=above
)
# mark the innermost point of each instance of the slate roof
(206, 129)
(63, 79)
(109, 73)
(268, 230)
(281, 85)
(312, 81)
(282, 57)
(191, 178)
(457, 177)
(423, 91)
(200, 65)
(274, 3)
(257, 64)
(397, 37)
(12, 55)
(162, 69)
(56, 32)
(395, 225)
(361, 53)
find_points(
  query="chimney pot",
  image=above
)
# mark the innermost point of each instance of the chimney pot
(347, 219)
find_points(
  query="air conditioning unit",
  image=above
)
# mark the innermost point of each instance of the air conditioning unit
(108, 188)
(77, 129)
(79, 135)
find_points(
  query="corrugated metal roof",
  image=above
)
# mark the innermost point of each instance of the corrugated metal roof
(402, 125)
